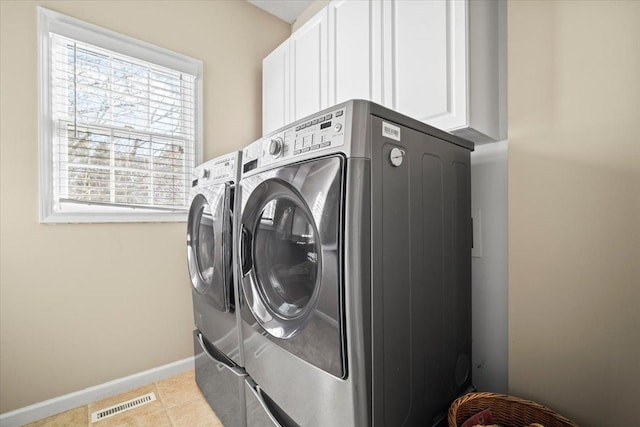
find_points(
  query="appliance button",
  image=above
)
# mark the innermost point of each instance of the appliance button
(328, 116)
(321, 119)
(297, 152)
(325, 144)
(297, 128)
(314, 122)
(338, 127)
(315, 147)
(305, 149)
(309, 124)
(339, 113)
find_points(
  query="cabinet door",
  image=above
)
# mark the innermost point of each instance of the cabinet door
(355, 50)
(425, 70)
(308, 48)
(275, 89)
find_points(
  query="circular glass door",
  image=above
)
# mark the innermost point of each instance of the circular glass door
(287, 275)
(200, 244)
(286, 258)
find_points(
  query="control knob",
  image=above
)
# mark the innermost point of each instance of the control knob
(275, 147)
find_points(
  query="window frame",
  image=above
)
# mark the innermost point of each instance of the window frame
(50, 21)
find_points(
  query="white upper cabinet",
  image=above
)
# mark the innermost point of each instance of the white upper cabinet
(275, 89)
(355, 51)
(438, 61)
(309, 71)
(425, 66)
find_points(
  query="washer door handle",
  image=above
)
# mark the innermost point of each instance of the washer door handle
(245, 251)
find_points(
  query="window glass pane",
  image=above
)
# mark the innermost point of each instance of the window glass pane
(169, 155)
(132, 187)
(168, 189)
(90, 147)
(124, 128)
(89, 184)
(129, 78)
(165, 96)
(132, 150)
(93, 68)
(93, 105)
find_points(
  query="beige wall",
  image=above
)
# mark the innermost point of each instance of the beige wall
(85, 304)
(574, 207)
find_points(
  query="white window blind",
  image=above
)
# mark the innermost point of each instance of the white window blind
(123, 133)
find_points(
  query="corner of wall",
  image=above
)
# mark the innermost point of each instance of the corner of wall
(309, 13)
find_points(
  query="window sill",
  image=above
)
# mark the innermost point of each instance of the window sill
(112, 217)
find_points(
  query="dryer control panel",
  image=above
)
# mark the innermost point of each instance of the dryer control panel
(302, 139)
(220, 169)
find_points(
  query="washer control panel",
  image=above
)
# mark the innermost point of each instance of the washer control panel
(216, 170)
(320, 132)
(316, 134)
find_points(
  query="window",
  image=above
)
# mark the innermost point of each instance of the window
(120, 127)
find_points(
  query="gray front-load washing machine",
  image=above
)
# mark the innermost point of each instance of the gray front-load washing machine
(354, 260)
(218, 359)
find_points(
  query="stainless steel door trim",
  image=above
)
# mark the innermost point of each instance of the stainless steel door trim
(308, 185)
(218, 359)
(235, 265)
(275, 323)
(214, 200)
(193, 225)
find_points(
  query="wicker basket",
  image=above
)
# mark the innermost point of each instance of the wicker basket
(507, 411)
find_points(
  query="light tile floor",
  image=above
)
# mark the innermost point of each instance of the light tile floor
(178, 403)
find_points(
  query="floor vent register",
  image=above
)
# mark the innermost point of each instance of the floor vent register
(121, 407)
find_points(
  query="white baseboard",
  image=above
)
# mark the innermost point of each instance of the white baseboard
(59, 404)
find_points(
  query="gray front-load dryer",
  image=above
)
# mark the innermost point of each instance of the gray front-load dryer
(354, 255)
(218, 358)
